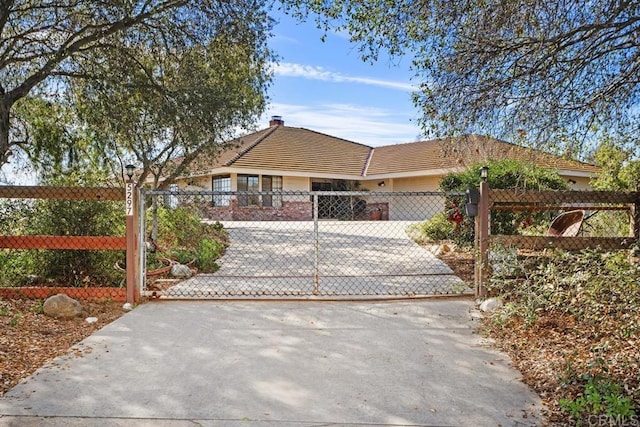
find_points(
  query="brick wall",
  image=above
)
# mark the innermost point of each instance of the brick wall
(290, 211)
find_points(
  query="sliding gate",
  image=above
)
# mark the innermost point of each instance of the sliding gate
(300, 244)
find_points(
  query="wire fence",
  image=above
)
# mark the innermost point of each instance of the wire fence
(205, 244)
(300, 244)
(62, 239)
(526, 225)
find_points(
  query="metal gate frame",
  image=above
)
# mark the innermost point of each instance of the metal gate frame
(314, 195)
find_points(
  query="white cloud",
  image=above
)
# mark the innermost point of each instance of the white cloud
(310, 72)
(357, 123)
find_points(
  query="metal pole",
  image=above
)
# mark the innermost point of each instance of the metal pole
(142, 247)
(316, 238)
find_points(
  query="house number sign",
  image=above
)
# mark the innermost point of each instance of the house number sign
(128, 201)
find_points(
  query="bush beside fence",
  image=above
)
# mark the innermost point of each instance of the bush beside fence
(62, 240)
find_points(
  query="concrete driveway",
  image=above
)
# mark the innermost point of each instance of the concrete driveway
(351, 258)
(271, 363)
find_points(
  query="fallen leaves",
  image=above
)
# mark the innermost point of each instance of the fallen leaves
(29, 339)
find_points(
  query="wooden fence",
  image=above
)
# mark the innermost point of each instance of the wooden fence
(126, 243)
(494, 200)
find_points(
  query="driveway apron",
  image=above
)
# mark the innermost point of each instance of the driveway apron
(280, 363)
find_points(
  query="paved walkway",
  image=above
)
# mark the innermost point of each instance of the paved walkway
(353, 258)
(184, 363)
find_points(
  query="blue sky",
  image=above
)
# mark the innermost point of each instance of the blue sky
(327, 87)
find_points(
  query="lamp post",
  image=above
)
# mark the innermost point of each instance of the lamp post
(129, 171)
(484, 173)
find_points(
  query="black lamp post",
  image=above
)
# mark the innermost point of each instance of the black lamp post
(484, 173)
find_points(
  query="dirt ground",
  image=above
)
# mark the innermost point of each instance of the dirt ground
(462, 264)
(29, 339)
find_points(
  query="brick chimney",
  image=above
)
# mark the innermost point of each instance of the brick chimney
(276, 121)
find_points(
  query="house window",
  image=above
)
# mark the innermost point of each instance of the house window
(248, 183)
(221, 183)
(272, 183)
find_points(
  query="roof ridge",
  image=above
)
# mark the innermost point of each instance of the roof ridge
(367, 162)
(331, 136)
(249, 147)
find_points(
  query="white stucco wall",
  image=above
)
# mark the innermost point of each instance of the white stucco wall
(295, 183)
(581, 183)
(422, 183)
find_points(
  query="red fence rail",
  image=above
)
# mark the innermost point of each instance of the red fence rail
(76, 242)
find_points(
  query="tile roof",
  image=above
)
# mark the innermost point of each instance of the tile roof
(302, 150)
(463, 151)
(294, 149)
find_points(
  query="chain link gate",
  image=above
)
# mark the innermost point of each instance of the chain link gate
(293, 244)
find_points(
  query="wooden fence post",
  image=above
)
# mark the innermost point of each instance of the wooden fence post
(634, 224)
(482, 240)
(130, 209)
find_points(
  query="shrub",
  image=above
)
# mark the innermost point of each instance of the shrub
(207, 252)
(437, 228)
(592, 300)
(600, 397)
(503, 174)
(591, 286)
(182, 236)
(178, 227)
(61, 218)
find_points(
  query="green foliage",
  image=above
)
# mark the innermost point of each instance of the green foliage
(556, 72)
(39, 307)
(208, 251)
(619, 169)
(183, 237)
(503, 174)
(62, 218)
(592, 297)
(600, 397)
(166, 70)
(593, 287)
(178, 227)
(435, 229)
(13, 322)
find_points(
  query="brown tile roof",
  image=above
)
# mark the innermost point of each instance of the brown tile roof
(302, 150)
(229, 152)
(460, 152)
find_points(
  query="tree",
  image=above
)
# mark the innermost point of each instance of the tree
(45, 47)
(620, 171)
(201, 96)
(561, 73)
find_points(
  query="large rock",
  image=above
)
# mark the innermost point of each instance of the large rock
(181, 271)
(491, 305)
(62, 307)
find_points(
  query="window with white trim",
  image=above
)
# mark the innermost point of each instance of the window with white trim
(221, 183)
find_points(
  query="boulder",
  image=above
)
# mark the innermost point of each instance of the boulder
(181, 271)
(491, 304)
(60, 306)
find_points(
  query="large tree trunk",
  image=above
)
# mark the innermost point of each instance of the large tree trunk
(4, 131)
